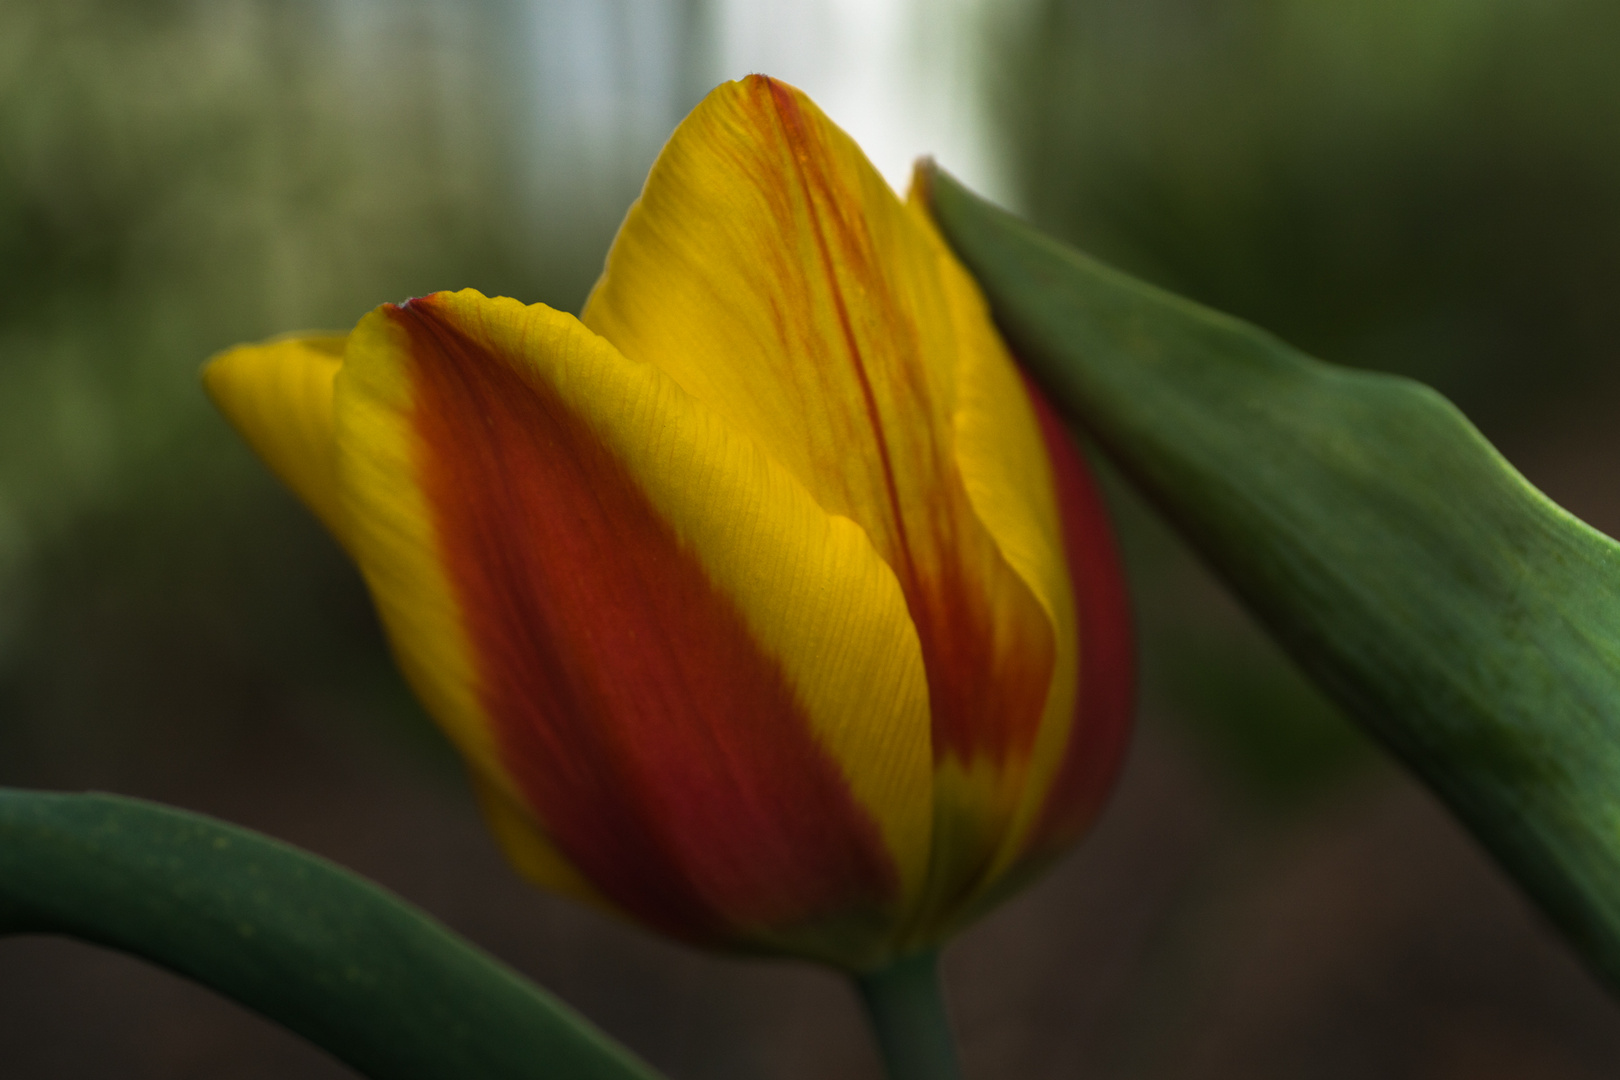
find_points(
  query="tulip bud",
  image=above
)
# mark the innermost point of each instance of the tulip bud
(767, 604)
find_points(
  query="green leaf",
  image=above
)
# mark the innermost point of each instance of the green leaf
(1468, 622)
(335, 958)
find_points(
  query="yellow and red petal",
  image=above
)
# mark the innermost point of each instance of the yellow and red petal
(278, 395)
(1095, 743)
(1080, 752)
(1003, 457)
(703, 687)
(770, 272)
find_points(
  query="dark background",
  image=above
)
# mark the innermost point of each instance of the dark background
(1427, 188)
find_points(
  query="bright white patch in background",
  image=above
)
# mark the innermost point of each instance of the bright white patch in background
(608, 79)
(901, 76)
(612, 78)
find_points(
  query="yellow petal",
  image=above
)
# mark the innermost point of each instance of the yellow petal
(812, 592)
(392, 538)
(279, 397)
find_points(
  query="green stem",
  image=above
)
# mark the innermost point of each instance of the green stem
(907, 1008)
(327, 954)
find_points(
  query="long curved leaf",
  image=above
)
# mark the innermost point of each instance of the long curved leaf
(326, 953)
(1468, 622)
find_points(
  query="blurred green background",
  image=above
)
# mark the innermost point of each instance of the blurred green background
(1426, 188)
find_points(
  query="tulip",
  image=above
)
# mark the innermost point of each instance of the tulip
(767, 604)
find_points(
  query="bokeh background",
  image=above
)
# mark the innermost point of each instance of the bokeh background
(1426, 188)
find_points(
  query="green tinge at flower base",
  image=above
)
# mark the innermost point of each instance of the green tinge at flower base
(346, 964)
(1467, 621)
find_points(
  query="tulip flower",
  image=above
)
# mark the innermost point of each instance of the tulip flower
(767, 604)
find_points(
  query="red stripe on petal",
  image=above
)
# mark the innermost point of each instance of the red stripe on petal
(1107, 692)
(665, 754)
